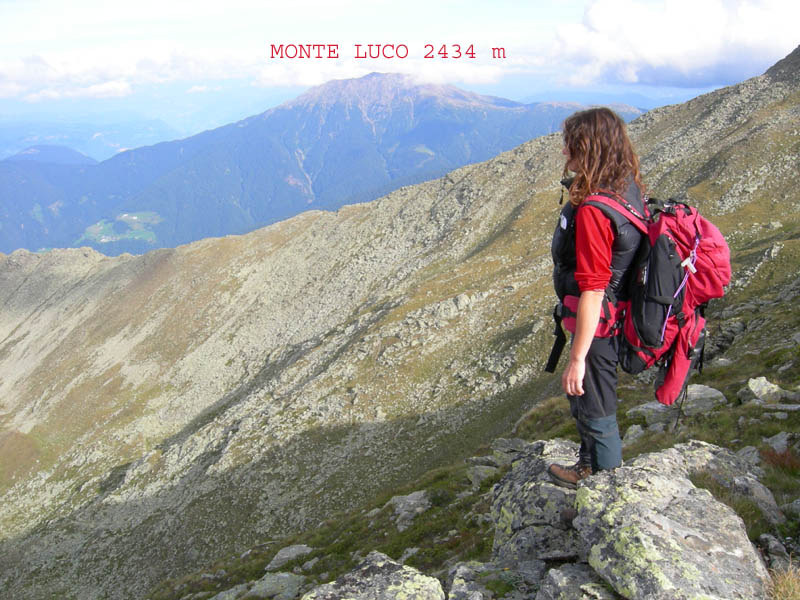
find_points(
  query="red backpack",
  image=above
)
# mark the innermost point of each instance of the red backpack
(682, 263)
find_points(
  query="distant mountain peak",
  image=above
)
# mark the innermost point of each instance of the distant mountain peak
(53, 154)
(384, 89)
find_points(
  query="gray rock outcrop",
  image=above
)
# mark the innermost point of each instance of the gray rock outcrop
(272, 586)
(378, 577)
(288, 554)
(652, 536)
(644, 529)
(531, 514)
(575, 581)
(407, 508)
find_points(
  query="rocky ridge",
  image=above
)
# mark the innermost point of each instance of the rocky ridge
(642, 531)
(218, 382)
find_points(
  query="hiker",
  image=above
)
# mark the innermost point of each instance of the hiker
(593, 252)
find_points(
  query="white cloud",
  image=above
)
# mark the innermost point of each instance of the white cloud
(676, 42)
(108, 89)
(89, 48)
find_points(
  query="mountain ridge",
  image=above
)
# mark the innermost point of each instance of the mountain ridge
(325, 149)
(247, 386)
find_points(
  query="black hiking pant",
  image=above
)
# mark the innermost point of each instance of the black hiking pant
(595, 412)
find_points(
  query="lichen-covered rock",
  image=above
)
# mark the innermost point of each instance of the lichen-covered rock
(575, 581)
(507, 450)
(477, 474)
(693, 457)
(272, 586)
(474, 580)
(653, 535)
(529, 510)
(760, 389)
(378, 577)
(465, 582)
(406, 508)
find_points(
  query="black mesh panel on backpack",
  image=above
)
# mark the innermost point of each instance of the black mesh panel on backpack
(659, 288)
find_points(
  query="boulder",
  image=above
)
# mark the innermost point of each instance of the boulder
(507, 450)
(652, 535)
(750, 487)
(273, 586)
(475, 580)
(695, 456)
(653, 412)
(378, 577)
(466, 584)
(406, 508)
(700, 399)
(531, 514)
(575, 581)
(777, 556)
(792, 508)
(782, 441)
(633, 433)
(761, 390)
(477, 474)
(288, 554)
(752, 457)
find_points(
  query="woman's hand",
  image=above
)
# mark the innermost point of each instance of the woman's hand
(589, 307)
(572, 379)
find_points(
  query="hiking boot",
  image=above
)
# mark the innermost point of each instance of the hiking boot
(569, 476)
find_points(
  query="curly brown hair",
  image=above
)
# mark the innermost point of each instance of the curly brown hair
(599, 152)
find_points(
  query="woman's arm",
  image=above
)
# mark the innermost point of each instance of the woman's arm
(589, 307)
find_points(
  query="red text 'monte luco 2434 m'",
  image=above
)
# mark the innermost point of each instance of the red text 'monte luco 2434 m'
(376, 51)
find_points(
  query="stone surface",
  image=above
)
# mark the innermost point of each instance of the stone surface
(407, 508)
(750, 487)
(700, 399)
(752, 457)
(653, 536)
(761, 389)
(777, 556)
(693, 457)
(474, 580)
(378, 577)
(466, 584)
(478, 473)
(506, 450)
(633, 433)
(288, 554)
(530, 512)
(653, 412)
(781, 442)
(575, 581)
(792, 508)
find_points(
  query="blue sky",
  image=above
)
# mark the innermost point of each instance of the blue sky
(198, 62)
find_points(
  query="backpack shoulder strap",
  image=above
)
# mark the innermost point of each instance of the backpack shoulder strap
(620, 206)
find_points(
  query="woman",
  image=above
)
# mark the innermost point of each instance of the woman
(601, 156)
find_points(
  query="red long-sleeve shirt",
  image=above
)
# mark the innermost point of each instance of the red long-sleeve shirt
(594, 239)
